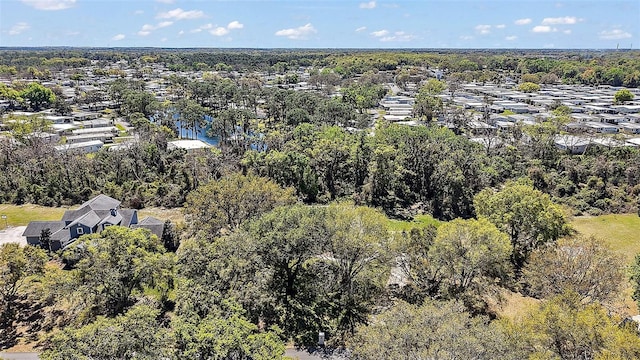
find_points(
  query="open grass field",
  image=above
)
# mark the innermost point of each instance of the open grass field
(620, 231)
(20, 215)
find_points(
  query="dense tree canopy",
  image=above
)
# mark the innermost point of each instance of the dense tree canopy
(226, 203)
(438, 330)
(111, 269)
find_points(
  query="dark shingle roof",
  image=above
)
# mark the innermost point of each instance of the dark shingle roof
(127, 216)
(102, 202)
(89, 219)
(35, 227)
(156, 226)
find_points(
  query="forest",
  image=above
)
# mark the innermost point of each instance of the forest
(286, 230)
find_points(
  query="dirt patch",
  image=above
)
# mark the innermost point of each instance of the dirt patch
(13, 234)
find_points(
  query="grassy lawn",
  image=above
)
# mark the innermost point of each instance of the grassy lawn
(620, 231)
(20, 215)
(419, 221)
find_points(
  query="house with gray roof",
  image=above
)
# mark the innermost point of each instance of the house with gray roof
(91, 217)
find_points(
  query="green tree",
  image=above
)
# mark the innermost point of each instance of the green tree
(527, 215)
(428, 105)
(332, 159)
(530, 78)
(565, 328)
(138, 102)
(111, 268)
(623, 95)
(45, 239)
(226, 203)
(170, 238)
(191, 116)
(422, 279)
(356, 267)
(137, 334)
(225, 337)
(529, 87)
(11, 94)
(581, 265)
(38, 96)
(17, 265)
(471, 258)
(434, 330)
(288, 241)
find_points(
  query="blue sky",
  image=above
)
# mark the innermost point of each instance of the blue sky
(322, 23)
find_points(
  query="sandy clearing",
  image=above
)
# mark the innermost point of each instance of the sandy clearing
(13, 235)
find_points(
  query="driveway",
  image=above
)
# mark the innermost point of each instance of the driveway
(13, 234)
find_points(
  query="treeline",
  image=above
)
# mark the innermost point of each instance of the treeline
(619, 68)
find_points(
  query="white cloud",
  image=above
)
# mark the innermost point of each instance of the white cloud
(501, 26)
(50, 4)
(543, 29)
(118, 37)
(299, 33)
(234, 25)
(568, 31)
(148, 28)
(368, 5)
(483, 29)
(166, 1)
(203, 27)
(361, 28)
(511, 38)
(398, 36)
(380, 33)
(19, 28)
(522, 21)
(181, 32)
(615, 34)
(179, 14)
(566, 20)
(466, 37)
(138, 12)
(219, 31)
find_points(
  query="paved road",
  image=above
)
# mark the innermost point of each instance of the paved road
(19, 356)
